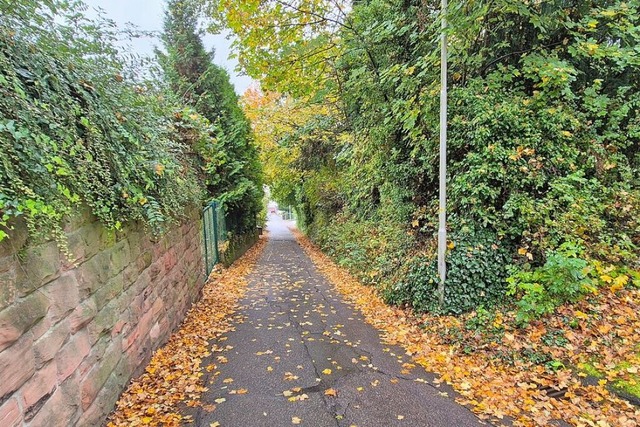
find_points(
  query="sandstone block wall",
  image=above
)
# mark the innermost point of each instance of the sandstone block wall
(74, 331)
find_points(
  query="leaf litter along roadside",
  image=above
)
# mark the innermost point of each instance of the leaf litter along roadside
(174, 373)
(493, 375)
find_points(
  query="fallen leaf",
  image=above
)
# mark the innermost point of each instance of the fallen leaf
(330, 392)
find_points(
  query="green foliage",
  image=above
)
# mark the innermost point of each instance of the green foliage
(288, 45)
(476, 272)
(78, 125)
(373, 250)
(543, 144)
(234, 177)
(563, 278)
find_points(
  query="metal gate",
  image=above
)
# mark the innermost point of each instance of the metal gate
(214, 233)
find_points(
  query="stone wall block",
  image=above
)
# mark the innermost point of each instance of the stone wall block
(144, 261)
(157, 307)
(103, 404)
(135, 310)
(120, 256)
(17, 365)
(46, 347)
(78, 250)
(130, 274)
(93, 273)
(18, 318)
(109, 291)
(10, 414)
(139, 332)
(41, 264)
(41, 328)
(136, 240)
(61, 409)
(94, 380)
(72, 354)
(8, 278)
(63, 295)
(39, 387)
(82, 315)
(92, 232)
(103, 322)
(155, 270)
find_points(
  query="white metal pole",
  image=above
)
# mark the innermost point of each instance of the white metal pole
(442, 217)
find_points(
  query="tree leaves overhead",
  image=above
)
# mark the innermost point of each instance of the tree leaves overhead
(289, 45)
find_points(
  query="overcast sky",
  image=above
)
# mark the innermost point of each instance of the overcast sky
(148, 14)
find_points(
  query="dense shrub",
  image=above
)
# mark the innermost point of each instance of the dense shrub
(234, 178)
(543, 139)
(562, 278)
(476, 265)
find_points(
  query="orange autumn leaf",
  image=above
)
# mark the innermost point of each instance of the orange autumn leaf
(330, 392)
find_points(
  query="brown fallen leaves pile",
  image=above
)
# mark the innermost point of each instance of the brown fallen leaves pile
(174, 373)
(490, 376)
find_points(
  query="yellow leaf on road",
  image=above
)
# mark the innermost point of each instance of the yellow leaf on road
(330, 392)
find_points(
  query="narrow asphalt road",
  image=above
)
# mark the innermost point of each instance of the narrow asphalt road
(300, 355)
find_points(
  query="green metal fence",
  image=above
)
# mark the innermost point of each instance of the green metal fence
(288, 214)
(214, 234)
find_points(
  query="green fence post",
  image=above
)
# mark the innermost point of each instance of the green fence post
(214, 217)
(206, 245)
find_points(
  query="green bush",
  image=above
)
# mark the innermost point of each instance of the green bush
(373, 250)
(562, 278)
(476, 273)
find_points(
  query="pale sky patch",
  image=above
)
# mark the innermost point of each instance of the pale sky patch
(148, 15)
